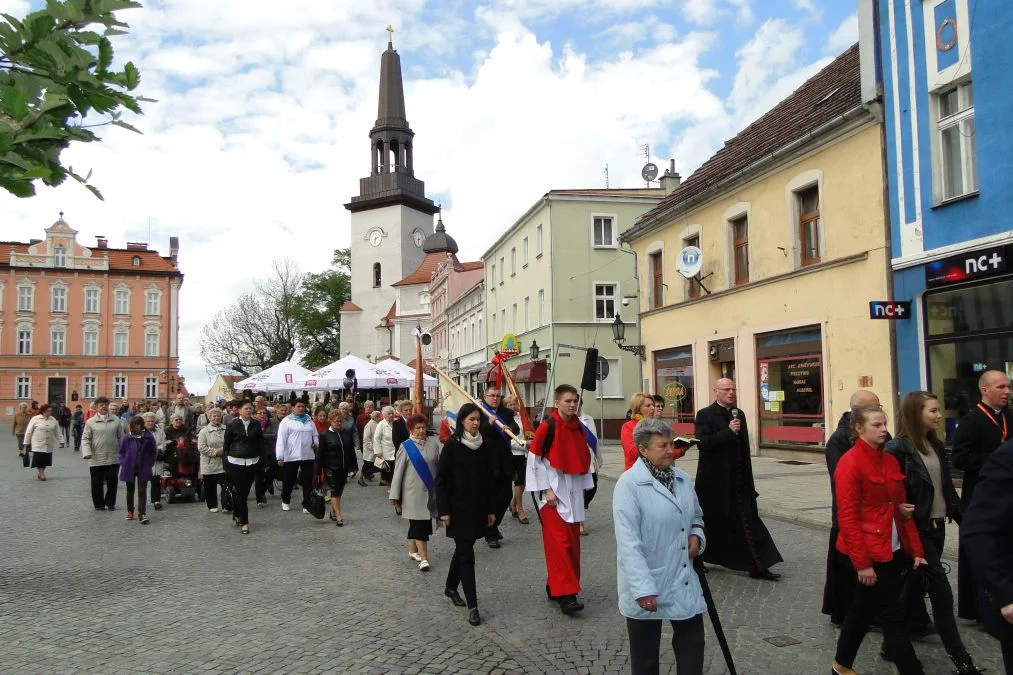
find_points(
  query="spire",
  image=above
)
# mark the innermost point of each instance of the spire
(390, 112)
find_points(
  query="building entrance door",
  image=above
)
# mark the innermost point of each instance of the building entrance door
(56, 390)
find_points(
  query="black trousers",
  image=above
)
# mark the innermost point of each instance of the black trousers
(141, 495)
(645, 645)
(156, 488)
(932, 578)
(266, 471)
(882, 599)
(504, 488)
(211, 484)
(242, 478)
(104, 480)
(289, 471)
(462, 570)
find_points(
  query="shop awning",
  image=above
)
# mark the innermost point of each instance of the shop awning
(532, 371)
(488, 374)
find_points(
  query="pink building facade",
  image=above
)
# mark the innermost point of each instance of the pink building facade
(449, 282)
(78, 322)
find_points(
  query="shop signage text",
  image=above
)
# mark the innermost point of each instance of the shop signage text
(973, 265)
(890, 309)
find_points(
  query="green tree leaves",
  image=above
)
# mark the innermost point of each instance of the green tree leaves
(318, 311)
(56, 68)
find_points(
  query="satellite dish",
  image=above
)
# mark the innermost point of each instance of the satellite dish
(649, 172)
(690, 261)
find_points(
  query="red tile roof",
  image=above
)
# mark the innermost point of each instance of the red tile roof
(350, 306)
(388, 319)
(826, 96)
(119, 259)
(469, 266)
(424, 272)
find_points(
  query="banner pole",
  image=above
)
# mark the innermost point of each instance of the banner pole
(492, 418)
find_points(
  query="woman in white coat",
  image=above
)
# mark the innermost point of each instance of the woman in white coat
(295, 451)
(211, 446)
(659, 531)
(367, 446)
(43, 435)
(384, 450)
(413, 487)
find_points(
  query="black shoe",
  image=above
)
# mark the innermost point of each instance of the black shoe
(766, 575)
(570, 605)
(362, 482)
(473, 617)
(964, 665)
(100, 508)
(493, 543)
(885, 655)
(455, 597)
(110, 508)
(158, 505)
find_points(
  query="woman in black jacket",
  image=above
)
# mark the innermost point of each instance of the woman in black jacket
(465, 503)
(929, 488)
(349, 438)
(332, 458)
(244, 444)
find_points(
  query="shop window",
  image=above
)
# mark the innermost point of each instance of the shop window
(657, 281)
(673, 379)
(790, 366)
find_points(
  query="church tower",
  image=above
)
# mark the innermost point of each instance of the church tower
(391, 219)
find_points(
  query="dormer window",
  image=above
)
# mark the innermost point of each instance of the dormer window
(136, 261)
(59, 257)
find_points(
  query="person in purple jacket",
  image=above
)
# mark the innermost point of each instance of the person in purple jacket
(137, 457)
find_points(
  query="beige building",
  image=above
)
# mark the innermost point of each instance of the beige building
(557, 277)
(789, 216)
(466, 336)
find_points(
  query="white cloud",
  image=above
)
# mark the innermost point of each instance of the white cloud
(843, 37)
(710, 12)
(808, 6)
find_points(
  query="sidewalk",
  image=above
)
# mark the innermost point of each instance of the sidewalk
(797, 493)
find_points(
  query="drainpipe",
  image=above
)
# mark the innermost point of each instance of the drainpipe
(640, 335)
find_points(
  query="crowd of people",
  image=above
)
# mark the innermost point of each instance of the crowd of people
(892, 498)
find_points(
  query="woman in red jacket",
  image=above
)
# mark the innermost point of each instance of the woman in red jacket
(641, 406)
(875, 524)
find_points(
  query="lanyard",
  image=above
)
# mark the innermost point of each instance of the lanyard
(990, 416)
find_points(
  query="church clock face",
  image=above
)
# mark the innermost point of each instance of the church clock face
(375, 236)
(418, 237)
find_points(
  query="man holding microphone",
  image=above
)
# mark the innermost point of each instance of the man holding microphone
(736, 537)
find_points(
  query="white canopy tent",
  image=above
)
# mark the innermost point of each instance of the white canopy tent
(384, 375)
(285, 376)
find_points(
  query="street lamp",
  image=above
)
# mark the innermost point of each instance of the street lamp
(619, 336)
(534, 350)
(455, 365)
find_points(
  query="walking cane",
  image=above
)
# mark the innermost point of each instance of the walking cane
(712, 610)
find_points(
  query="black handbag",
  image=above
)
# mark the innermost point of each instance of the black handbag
(26, 458)
(318, 505)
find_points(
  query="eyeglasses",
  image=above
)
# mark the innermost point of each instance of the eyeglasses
(494, 395)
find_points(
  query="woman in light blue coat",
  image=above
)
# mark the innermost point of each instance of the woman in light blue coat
(659, 530)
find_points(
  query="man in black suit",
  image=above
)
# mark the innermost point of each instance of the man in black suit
(498, 444)
(986, 539)
(987, 426)
(736, 537)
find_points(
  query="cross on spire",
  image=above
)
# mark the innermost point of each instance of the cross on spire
(390, 34)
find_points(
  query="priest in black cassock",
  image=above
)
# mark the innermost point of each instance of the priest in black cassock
(736, 537)
(980, 432)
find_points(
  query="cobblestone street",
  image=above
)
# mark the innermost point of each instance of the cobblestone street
(88, 592)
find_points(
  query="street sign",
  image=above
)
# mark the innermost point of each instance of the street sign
(984, 262)
(603, 369)
(890, 310)
(689, 262)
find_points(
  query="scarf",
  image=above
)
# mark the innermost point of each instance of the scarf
(300, 418)
(666, 477)
(473, 442)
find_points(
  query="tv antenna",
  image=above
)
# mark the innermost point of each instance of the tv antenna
(650, 170)
(606, 176)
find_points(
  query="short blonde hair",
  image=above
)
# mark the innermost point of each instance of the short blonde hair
(637, 401)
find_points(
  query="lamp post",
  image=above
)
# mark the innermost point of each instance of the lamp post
(619, 336)
(455, 365)
(534, 350)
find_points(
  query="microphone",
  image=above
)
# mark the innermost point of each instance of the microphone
(735, 415)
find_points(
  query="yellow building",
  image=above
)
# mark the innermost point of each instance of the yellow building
(789, 217)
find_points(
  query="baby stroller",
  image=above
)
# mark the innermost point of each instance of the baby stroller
(179, 476)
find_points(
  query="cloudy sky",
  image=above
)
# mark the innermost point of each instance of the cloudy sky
(260, 131)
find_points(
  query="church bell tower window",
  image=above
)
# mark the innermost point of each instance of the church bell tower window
(376, 275)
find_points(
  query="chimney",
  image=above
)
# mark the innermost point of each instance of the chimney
(670, 179)
(174, 249)
(137, 246)
(102, 241)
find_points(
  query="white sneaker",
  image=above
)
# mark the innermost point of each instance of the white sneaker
(416, 557)
(213, 510)
(306, 511)
(424, 565)
(285, 507)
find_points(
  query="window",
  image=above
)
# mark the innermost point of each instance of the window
(740, 249)
(59, 257)
(603, 232)
(693, 285)
(493, 326)
(24, 342)
(502, 320)
(136, 261)
(152, 303)
(657, 280)
(122, 301)
(809, 225)
(538, 241)
(58, 342)
(502, 267)
(26, 298)
(58, 299)
(673, 379)
(91, 343)
(492, 279)
(120, 343)
(527, 312)
(612, 385)
(790, 365)
(90, 386)
(376, 275)
(541, 307)
(605, 301)
(513, 261)
(23, 387)
(119, 387)
(150, 387)
(480, 333)
(524, 250)
(151, 344)
(514, 327)
(91, 301)
(958, 172)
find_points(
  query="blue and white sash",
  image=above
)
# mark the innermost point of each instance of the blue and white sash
(419, 462)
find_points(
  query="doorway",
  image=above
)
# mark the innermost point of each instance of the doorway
(56, 390)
